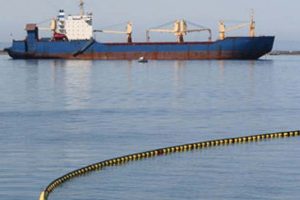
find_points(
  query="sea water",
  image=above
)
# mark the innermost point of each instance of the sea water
(59, 115)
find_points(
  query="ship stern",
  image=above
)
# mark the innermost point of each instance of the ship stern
(17, 50)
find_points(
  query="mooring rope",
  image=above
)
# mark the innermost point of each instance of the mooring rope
(159, 152)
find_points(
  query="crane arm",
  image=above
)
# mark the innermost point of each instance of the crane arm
(236, 27)
(109, 31)
(127, 31)
(158, 31)
(197, 30)
(161, 30)
(200, 30)
(44, 29)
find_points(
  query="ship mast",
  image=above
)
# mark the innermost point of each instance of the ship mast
(81, 5)
(252, 25)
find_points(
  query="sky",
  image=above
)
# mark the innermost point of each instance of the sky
(273, 17)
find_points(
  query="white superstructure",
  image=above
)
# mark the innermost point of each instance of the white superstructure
(76, 27)
(79, 27)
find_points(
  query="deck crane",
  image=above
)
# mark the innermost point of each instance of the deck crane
(56, 35)
(223, 29)
(52, 26)
(180, 29)
(128, 32)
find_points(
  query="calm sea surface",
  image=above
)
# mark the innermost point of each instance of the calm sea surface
(57, 116)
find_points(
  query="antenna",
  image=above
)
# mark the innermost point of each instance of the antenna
(252, 14)
(81, 5)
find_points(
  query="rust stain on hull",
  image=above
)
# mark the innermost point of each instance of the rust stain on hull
(150, 56)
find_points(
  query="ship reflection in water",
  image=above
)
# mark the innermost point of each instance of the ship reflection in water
(74, 78)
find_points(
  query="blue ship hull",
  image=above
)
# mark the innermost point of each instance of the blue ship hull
(229, 48)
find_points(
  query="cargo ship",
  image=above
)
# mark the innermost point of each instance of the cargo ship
(72, 37)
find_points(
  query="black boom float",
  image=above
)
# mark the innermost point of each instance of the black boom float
(159, 152)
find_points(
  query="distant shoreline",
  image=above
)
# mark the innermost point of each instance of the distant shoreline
(278, 53)
(2, 52)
